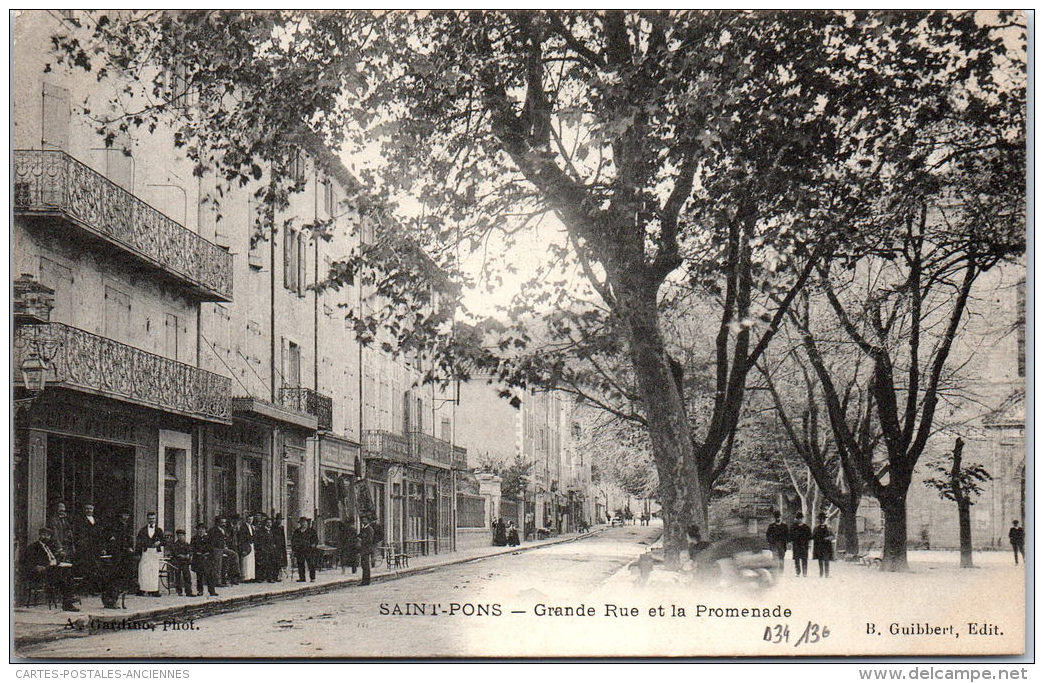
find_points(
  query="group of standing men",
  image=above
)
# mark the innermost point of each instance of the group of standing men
(250, 549)
(799, 535)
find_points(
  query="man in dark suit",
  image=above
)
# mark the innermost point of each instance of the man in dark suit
(1017, 536)
(62, 534)
(89, 542)
(800, 536)
(121, 546)
(279, 544)
(367, 541)
(304, 540)
(201, 563)
(181, 559)
(777, 537)
(224, 560)
(43, 566)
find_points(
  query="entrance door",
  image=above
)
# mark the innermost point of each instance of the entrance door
(175, 474)
(81, 471)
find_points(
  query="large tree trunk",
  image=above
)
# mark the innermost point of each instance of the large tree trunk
(964, 517)
(847, 530)
(681, 494)
(893, 556)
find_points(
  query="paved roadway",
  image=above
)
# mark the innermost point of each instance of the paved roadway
(460, 605)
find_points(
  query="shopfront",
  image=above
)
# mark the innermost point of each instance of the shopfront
(78, 449)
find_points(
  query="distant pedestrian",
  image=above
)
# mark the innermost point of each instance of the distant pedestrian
(349, 547)
(304, 541)
(800, 535)
(1017, 536)
(201, 560)
(499, 533)
(367, 542)
(245, 546)
(181, 561)
(777, 537)
(279, 544)
(512, 535)
(823, 546)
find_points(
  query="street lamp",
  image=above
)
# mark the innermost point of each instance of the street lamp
(32, 306)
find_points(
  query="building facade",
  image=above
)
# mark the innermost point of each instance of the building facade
(193, 368)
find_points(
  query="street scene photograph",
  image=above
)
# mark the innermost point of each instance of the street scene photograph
(531, 334)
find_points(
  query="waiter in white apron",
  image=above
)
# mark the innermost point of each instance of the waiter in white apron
(246, 550)
(149, 543)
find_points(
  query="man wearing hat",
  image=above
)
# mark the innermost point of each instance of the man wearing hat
(303, 541)
(800, 535)
(201, 562)
(42, 565)
(181, 558)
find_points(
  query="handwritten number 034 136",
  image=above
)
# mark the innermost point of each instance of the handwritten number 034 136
(780, 633)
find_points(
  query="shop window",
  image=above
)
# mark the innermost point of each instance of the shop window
(81, 471)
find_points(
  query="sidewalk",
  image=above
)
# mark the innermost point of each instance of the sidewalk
(39, 624)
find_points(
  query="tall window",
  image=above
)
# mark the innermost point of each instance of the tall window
(290, 260)
(170, 487)
(292, 367)
(294, 261)
(1020, 325)
(328, 197)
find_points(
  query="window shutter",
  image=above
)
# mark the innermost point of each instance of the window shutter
(55, 133)
(301, 263)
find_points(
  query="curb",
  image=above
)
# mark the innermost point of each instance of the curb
(202, 610)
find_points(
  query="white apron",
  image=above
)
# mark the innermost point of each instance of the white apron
(149, 569)
(246, 566)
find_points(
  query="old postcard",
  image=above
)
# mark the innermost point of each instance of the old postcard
(529, 334)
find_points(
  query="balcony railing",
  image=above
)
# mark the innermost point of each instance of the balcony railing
(431, 450)
(460, 458)
(50, 182)
(86, 362)
(309, 401)
(387, 446)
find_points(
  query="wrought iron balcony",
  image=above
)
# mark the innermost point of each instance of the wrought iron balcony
(431, 450)
(460, 458)
(309, 401)
(387, 446)
(85, 362)
(52, 183)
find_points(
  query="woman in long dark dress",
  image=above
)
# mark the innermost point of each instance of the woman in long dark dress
(500, 533)
(823, 546)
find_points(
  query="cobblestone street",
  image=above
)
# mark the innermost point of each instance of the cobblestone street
(503, 606)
